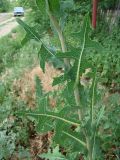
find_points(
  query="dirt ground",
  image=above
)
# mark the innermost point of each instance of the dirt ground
(4, 17)
(7, 23)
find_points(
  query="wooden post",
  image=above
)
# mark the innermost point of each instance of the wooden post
(94, 13)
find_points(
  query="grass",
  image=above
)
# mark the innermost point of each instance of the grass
(13, 56)
(15, 59)
(17, 70)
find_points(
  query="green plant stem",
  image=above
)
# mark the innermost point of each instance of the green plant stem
(67, 64)
(93, 99)
(62, 41)
(60, 34)
(77, 81)
(80, 114)
(77, 99)
(61, 38)
(89, 148)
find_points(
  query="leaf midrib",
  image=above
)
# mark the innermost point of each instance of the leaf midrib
(56, 117)
(80, 58)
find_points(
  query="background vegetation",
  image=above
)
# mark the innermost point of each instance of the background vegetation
(4, 5)
(18, 130)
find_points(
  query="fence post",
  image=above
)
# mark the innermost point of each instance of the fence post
(94, 13)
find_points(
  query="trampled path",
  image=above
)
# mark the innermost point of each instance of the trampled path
(6, 25)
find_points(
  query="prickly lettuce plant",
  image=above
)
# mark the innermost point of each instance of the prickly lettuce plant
(75, 121)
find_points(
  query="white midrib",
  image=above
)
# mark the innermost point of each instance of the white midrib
(56, 117)
(78, 140)
(80, 58)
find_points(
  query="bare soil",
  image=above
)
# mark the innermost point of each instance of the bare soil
(6, 29)
(4, 17)
(7, 23)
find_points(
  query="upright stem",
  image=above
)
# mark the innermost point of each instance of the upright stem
(67, 64)
(89, 148)
(66, 61)
(61, 38)
(77, 99)
(60, 34)
(64, 49)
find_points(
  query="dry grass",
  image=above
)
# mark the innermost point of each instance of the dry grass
(40, 144)
(24, 87)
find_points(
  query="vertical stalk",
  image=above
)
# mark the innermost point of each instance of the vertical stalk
(89, 148)
(61, 38)
(77, 99)
(60, 34)
(92, 100)
(67, 64)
